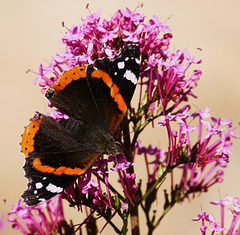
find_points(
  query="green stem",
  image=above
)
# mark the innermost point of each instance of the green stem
(125, 223)
(138, 131)
(112, 224)
(158, 181)
(164, 213)
(170, 206)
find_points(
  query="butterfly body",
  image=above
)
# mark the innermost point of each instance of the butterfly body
(95, 98)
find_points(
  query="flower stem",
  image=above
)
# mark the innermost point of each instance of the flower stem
(128, 147)
(134, 220)
(158, 181)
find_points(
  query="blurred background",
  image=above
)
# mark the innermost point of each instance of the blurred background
(30, 34)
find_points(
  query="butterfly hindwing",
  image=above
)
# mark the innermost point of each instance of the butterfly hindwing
(43, 186)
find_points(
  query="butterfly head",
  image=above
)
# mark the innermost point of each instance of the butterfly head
(114, 148)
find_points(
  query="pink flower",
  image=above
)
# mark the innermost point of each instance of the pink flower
(235, 212)
(41, 219)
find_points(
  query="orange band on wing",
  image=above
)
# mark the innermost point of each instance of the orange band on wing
(27, 143)
(121, 103)
(114, 90)
(37, 164)
(66, 77)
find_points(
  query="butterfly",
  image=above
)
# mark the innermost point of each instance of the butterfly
(95, 97)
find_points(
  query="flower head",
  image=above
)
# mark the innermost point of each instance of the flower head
(235, 212)
(41, 219)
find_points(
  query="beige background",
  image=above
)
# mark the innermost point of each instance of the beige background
(30, 35)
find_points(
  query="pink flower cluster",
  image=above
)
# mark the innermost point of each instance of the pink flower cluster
(201, 162)
(234, 227)
(90, 193)
(47, 218)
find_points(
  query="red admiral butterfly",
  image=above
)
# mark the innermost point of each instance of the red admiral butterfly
(95, 97)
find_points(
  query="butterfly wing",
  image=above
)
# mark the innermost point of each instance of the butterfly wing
(99, 93)
(55, 155)
(123, 69)
(119, 74)
(43, 186)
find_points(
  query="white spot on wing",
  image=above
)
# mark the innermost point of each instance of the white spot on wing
(41, 200)
(35, 192)
(54, 189)
(137, 60)
(121, 65)
(127, 58)
(38, 185)
(129, 75)
(44, 178)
